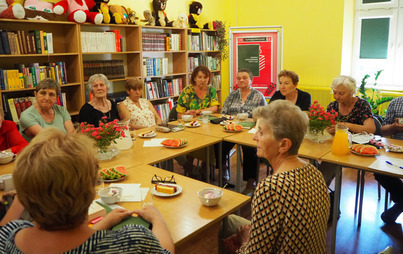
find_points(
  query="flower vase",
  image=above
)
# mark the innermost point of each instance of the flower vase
(108, 152)
(317, 136)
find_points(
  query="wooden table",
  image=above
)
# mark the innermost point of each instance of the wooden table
(185, 216)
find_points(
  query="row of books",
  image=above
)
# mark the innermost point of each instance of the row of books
(108, 41)
(161, 88)
(155, 66)
(164, 109)
(13, 107)
(202, 42)
(112, 69)
(216, 82)
(213, 63)
(25, 42)
(161, 42)
(29, 76)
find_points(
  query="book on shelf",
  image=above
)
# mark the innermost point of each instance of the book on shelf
(213, 63)
(110, 41)
(49, 39)
(216, 81)
(112, 69)
(156, 66)
(157, 88)
(4, 42)
(15, 106)
(163, 109)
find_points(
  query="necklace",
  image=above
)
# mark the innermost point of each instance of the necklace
(102, 109)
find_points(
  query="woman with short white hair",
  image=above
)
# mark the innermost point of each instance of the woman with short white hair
(100, 106)
(290, 208)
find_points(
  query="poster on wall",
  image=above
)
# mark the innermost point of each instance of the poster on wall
(258, 51)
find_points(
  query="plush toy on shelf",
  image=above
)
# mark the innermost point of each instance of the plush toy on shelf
(102, 6)
(131, 17)
(120, 13)
(195, 9)
(182, 20)
(148, 17)
(159, 14)
(78, 11)
(41, 10)
(10, 9)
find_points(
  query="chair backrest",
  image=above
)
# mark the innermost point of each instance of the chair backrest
(378, 126)
(173, 114)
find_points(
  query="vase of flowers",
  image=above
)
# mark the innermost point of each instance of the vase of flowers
(319, 119)
(105, 137)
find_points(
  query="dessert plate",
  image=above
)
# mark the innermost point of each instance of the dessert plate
(162, 194)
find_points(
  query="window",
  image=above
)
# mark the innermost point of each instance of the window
(378, 41)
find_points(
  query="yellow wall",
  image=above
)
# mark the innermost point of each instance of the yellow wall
(313, 31)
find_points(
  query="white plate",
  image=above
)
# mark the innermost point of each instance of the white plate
(362, 138)
(151, 136)
(175, 147)
(162, 194)
(190, 126)
(114, 180)
(225, 122)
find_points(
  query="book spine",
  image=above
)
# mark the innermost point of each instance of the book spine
(5, 42)
(49, 38)
(13, 110)
(45, 42)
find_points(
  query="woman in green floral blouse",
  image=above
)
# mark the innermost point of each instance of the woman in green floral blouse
(199, 95)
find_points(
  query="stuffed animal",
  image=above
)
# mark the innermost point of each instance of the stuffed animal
(131, 17)
(195, 9)
(120, 13)
(148, 18)
(159, 14)
(78, 11)
(102, 6)
(10, 9)
(41, 10)
(182, 20)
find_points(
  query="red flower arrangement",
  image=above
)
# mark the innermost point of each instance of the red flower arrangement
(105, 134)
(319, 119)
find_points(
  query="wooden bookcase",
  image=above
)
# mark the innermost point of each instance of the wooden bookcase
(68, 48)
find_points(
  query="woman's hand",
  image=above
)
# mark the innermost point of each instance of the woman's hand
(331, 129)
(235, 241)
(192, 112)
(149, 213)
(398, 126)
(8, 194)
(112, 218)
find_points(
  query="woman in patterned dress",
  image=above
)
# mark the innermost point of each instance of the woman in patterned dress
(199, 95)
(290, 208)
(56, 190)
(140, 111)
(353, 112)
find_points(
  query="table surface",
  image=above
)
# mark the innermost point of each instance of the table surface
(364, 162)
(184, 214)
(308, 149)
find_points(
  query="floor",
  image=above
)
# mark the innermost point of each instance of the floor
(371, 237)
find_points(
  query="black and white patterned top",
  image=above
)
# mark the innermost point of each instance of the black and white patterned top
(233, 103)
(289, 213)
(395, 110)
(129, 239)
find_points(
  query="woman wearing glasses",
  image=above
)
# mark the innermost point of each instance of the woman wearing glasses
(45, 112)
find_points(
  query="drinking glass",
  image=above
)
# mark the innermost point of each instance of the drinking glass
(100, 184)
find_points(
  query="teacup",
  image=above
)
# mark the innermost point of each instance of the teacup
(242, 116)
(187, 118)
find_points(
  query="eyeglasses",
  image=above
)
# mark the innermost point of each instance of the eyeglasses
(158, 179)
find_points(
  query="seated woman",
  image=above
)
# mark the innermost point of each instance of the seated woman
(59, 202)
(45, 112)
(243, 100)
(140, 111)
(10, 139)
(278, 224)
(353, 112)
(288, 83)
(100, 106)
(199, 95)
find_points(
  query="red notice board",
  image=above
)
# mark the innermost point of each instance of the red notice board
(258, 51)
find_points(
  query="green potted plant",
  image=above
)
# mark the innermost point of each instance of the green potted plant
(375, 99)
(222, 42)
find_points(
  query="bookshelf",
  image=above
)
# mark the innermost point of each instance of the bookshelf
(129, 47)
(65, 49)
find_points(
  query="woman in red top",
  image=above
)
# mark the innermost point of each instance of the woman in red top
(10, 138)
